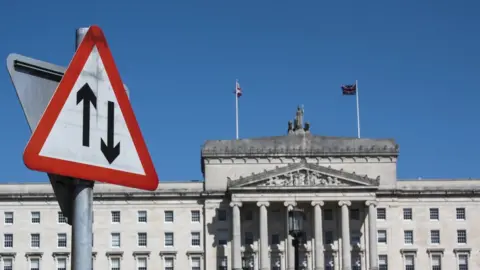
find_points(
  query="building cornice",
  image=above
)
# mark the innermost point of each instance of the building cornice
(425, 192)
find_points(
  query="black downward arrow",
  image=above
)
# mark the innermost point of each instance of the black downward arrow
(109, 151)
(86, 95)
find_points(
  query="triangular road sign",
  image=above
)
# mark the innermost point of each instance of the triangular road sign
(88, 130)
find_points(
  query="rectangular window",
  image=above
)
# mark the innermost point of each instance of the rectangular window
(8, 240)
(195, 216)
(329, 262)
(436, 262)
(169, 239)
(249, 215)
(34, 264)
(196, 263)
(461, 214)
(382, 262)
(248, 238)
(141, 263)
(222, 263)
(115, 263)
(115, 240)
(142, 216)
(7, 263)
(435, 237)
(115, 216)
(409, 262)
(9, 218)
(195, 239)
(434, 214)
(62, 240)
(169, 216)
(381, 213)
(355, 237)
(275, 239)
(327, 214)
(142, 239)
(275, 262)
(328, 239)
(408, 237)
(222, 236)
(461, 236)
(61, 264)
(221, 215)
(61, 218)
(35, 217)
(35, 240)
(169, 263)
(355, 214)
(382, 236)
(356, 262)
(463, 262)
(407, 214)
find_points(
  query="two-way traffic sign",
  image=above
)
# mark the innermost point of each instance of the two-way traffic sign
(88, 130)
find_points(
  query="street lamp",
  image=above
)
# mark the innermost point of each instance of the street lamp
(295, 225)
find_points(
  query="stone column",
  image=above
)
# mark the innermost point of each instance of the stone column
(372, 233)
(346, 248)
(290, 251)
(264, 258)
(236, 236)
(318, 234)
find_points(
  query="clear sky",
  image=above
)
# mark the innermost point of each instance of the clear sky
(417, 63)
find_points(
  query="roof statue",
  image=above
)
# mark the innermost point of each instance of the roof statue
(297, 126)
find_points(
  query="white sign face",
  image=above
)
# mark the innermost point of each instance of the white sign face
(91, 128)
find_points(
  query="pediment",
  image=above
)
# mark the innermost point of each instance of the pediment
(304, 175)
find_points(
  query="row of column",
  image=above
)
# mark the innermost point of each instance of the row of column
(318, 235)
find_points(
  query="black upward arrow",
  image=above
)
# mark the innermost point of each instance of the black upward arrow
(109, 151)
(86, 95)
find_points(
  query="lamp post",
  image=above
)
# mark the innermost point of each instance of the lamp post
(295, 224)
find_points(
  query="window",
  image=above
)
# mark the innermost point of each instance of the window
(35, 217)
(382, 262)
(461, 215)
(169, 239)
(328, 237)
(142, 216)
(9, 218)
(61, 218)
(115, 240)
(436, 262)
(275, 239)
(35, 240)
(461, 236)
(8, 240)
(355, 214)
(142, 239)
(222, 263)
(356, 262)
(115, 263)
(381, 213)
(355, 237)
(7, 263)
(329, 262)
(407, 214)
(195, 216)
(327, 214)
(434, 214)
(169, 216)
(382, 236)
(221, 215)
(463, 262)
(195, 239)
(276, 262)
(248, 238)
(435, 237)
(141, 263)
(169, 263)
(62, 240)
(222, 236)
(409, 262)
(196, 263)
(61, 264)
(34, 264)
(408, 237)
(115, 216)
(249, 215)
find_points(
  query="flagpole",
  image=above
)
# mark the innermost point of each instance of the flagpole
(236, 109)
(358, 109)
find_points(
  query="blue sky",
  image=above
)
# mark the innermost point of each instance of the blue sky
(417, 63)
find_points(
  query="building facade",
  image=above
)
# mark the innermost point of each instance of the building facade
(357, 214)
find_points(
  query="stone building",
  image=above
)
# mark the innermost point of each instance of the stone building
(357, 214)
